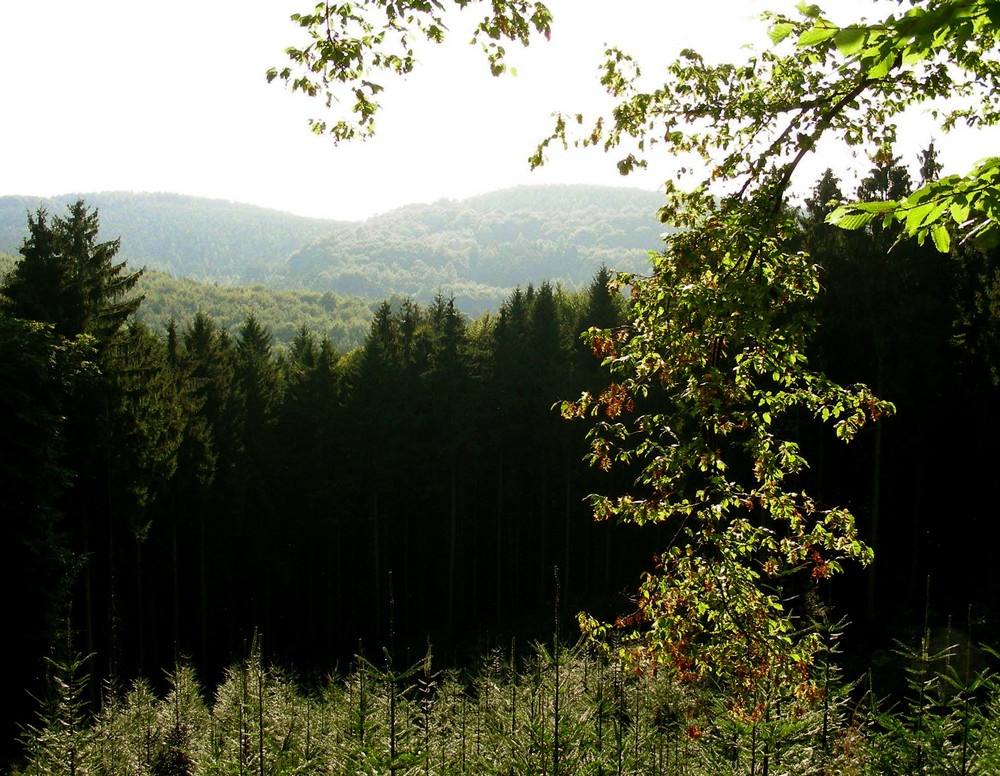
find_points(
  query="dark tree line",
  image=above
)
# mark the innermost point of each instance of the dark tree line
(920, 329)
(166, 496)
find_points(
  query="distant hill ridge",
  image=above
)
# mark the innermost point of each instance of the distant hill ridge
(475, 249)
(204, 239)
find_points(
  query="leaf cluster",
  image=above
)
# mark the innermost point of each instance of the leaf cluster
(945, 50)
(351, 46)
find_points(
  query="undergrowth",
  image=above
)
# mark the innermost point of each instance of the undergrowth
(560, 711)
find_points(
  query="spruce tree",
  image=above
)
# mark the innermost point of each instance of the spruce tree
(69, 279)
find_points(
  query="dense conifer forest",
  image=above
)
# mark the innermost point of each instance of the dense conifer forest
(188, 492)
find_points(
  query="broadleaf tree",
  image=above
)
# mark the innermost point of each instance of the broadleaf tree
(710, 375)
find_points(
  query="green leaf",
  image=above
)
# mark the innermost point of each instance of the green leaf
(839, 212)
(850, 40)
(988, 165)
(941, 238)
(780, 31)
(821, 32)
(916, 217)
(850, 221)
(876, 207)
(920, 195)
(880, 69)
(913, 54)
(960, 212)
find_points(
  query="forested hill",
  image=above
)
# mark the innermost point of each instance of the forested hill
(343, 320)
(479, 249)
(204, 239)
(476, 249)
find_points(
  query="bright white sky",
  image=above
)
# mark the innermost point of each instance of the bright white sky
(113, 95)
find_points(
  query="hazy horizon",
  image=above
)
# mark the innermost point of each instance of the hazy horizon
(117, 96)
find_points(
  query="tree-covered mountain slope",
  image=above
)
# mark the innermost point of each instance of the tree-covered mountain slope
(344, 320)
(204, 239)
(479, 249)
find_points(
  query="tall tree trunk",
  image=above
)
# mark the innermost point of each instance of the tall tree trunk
(542, 531)
(88, 602)
(499, 541)
(569, 521)
(139, 618)
(106, 484)
(452, 543)
(175, 573)
(376, 553)
(607, 556)
(112, 594)
(203, 591)
(876, 496)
